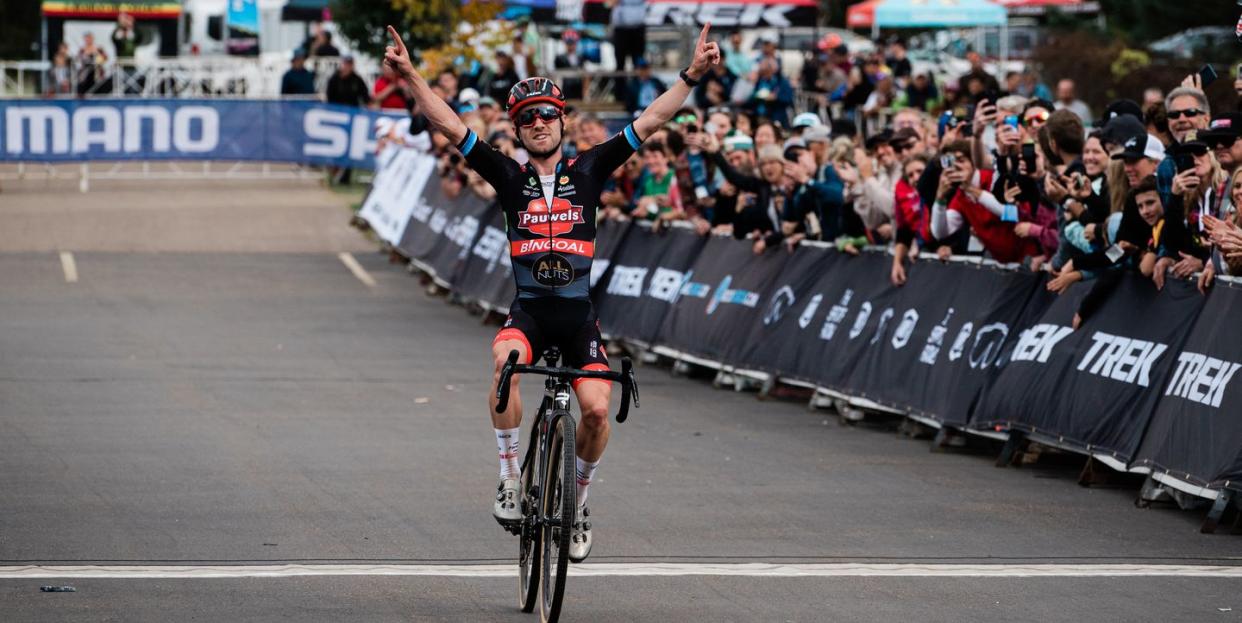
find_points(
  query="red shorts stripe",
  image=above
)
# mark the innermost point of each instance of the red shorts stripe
(592, 367)
(510, 333)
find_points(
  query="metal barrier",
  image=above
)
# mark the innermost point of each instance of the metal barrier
(197, 77)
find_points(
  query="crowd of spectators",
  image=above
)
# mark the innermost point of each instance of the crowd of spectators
(1006, 169)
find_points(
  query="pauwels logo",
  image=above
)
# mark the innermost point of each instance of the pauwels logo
(561, 219)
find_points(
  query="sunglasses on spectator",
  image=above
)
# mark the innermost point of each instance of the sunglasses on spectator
(1038, 118)
(1189, 113)
(549, 114)
(684, 119)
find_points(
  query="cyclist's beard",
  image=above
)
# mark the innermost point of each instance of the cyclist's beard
(551, 150)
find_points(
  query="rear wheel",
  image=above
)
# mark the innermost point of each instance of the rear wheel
(559, 494)
(529, 547)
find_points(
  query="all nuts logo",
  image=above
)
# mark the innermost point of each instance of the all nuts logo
(536, 218)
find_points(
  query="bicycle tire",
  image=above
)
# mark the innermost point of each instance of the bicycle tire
(560, 499)
(530, 546)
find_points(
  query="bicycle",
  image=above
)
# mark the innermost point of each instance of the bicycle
(548, 482)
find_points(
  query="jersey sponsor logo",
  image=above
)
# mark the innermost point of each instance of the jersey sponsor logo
(558, 245)
(561, 219)
(552, 271)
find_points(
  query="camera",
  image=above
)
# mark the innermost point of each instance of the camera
(947, 161)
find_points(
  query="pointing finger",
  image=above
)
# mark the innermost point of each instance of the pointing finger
(396, 39)
(703, 35)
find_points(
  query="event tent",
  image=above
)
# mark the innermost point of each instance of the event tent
(878, 14)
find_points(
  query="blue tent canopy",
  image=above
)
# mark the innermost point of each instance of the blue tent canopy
(934, 13)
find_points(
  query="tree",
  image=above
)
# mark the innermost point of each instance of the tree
(425, 24)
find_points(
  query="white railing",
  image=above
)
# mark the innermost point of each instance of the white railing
(166, 77)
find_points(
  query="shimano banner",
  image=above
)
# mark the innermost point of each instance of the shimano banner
(1196, 433)
(182, 129)
(1093, 389)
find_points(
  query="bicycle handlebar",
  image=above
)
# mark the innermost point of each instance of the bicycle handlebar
(629, 384)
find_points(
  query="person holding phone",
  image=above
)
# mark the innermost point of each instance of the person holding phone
(962, 199)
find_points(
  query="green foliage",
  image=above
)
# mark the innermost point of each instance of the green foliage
(19, 30)
(425, 24)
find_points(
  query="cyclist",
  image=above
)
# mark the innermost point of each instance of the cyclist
(550, 206)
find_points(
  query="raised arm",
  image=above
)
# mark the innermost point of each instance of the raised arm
(706, 54)
(438, 113)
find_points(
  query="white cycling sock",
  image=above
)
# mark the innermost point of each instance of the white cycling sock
(586, 471)
(507, 442)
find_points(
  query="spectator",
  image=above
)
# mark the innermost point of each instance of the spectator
(897, 61)
(489, 111)
(736, 60)
(921, 93)
(390, 91)
(759, 222)
(123, 39)
(1033, 88)
(1188, 110)
(910, 222)
(1226, 234)
(1067, 99)
(503, 79)
(90, 62)
(715, 87)
(643, 89)
(346, 87)
(977, 74)
(1151, 97)
(657, 196)
(1224, 135)
(62, 71)
(773, 95)
(322, 46)
(878, 172)
(447, 81)
(882, 98)
(767, 52)
(629, 31)
(571, 59)
(1156, 119)
(1185, 248)
(961, 200)
(767, 134)
(1013, 83)
(297, 79)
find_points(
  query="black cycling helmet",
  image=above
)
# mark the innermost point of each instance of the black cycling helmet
(533, 91)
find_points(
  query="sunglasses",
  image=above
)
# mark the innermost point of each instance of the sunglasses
(527, 117)
(1189, 112)
(684, 119)
(1038, 118)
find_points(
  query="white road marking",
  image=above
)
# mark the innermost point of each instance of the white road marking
(356, 268)
(754, 570)
(70, 267)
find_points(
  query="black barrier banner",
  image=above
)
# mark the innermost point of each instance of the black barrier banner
(486, 273)
(648, 275)
(1093, 389)
(775, 338)
(944, 338)
(609, 236)
(457, 233)
(719, 298)
(427, 219)
(1195, 434)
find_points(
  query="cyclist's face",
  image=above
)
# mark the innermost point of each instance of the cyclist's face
(541, 137)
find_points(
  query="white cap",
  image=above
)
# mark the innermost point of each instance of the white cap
(805, 120)
(468, 95)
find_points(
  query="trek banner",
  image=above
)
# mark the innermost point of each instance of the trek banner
(647, 275)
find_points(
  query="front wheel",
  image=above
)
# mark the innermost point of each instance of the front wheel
(560, 502)
(530, 545)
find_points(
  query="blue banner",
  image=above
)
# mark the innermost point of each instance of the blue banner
(183, 129)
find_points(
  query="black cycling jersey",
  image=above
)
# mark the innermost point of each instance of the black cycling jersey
(551, 249)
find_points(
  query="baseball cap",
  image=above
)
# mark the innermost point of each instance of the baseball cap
(737, 142)
(817, 134)
(468, 95)
(487, 100)
(771, 152)
(1121, 128)
(882, 137)
(1224, 128)
(1118, 108)
(805, 120)
(1141, 146)
(640, 63)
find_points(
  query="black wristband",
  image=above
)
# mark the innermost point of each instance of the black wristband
(685, 77)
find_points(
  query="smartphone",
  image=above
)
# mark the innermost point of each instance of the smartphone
(700, 192)
(1013, 121)
(1184, 162)
(1028, 156)
(989, 97)
(948, 161)
(692, 129)
(1207, 75)
(709, 127)
(1114, 253)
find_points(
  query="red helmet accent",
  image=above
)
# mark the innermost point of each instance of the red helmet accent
(534, 90)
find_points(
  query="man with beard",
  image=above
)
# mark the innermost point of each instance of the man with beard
(550, 206)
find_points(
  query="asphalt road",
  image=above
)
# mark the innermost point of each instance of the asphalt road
(238, 408)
